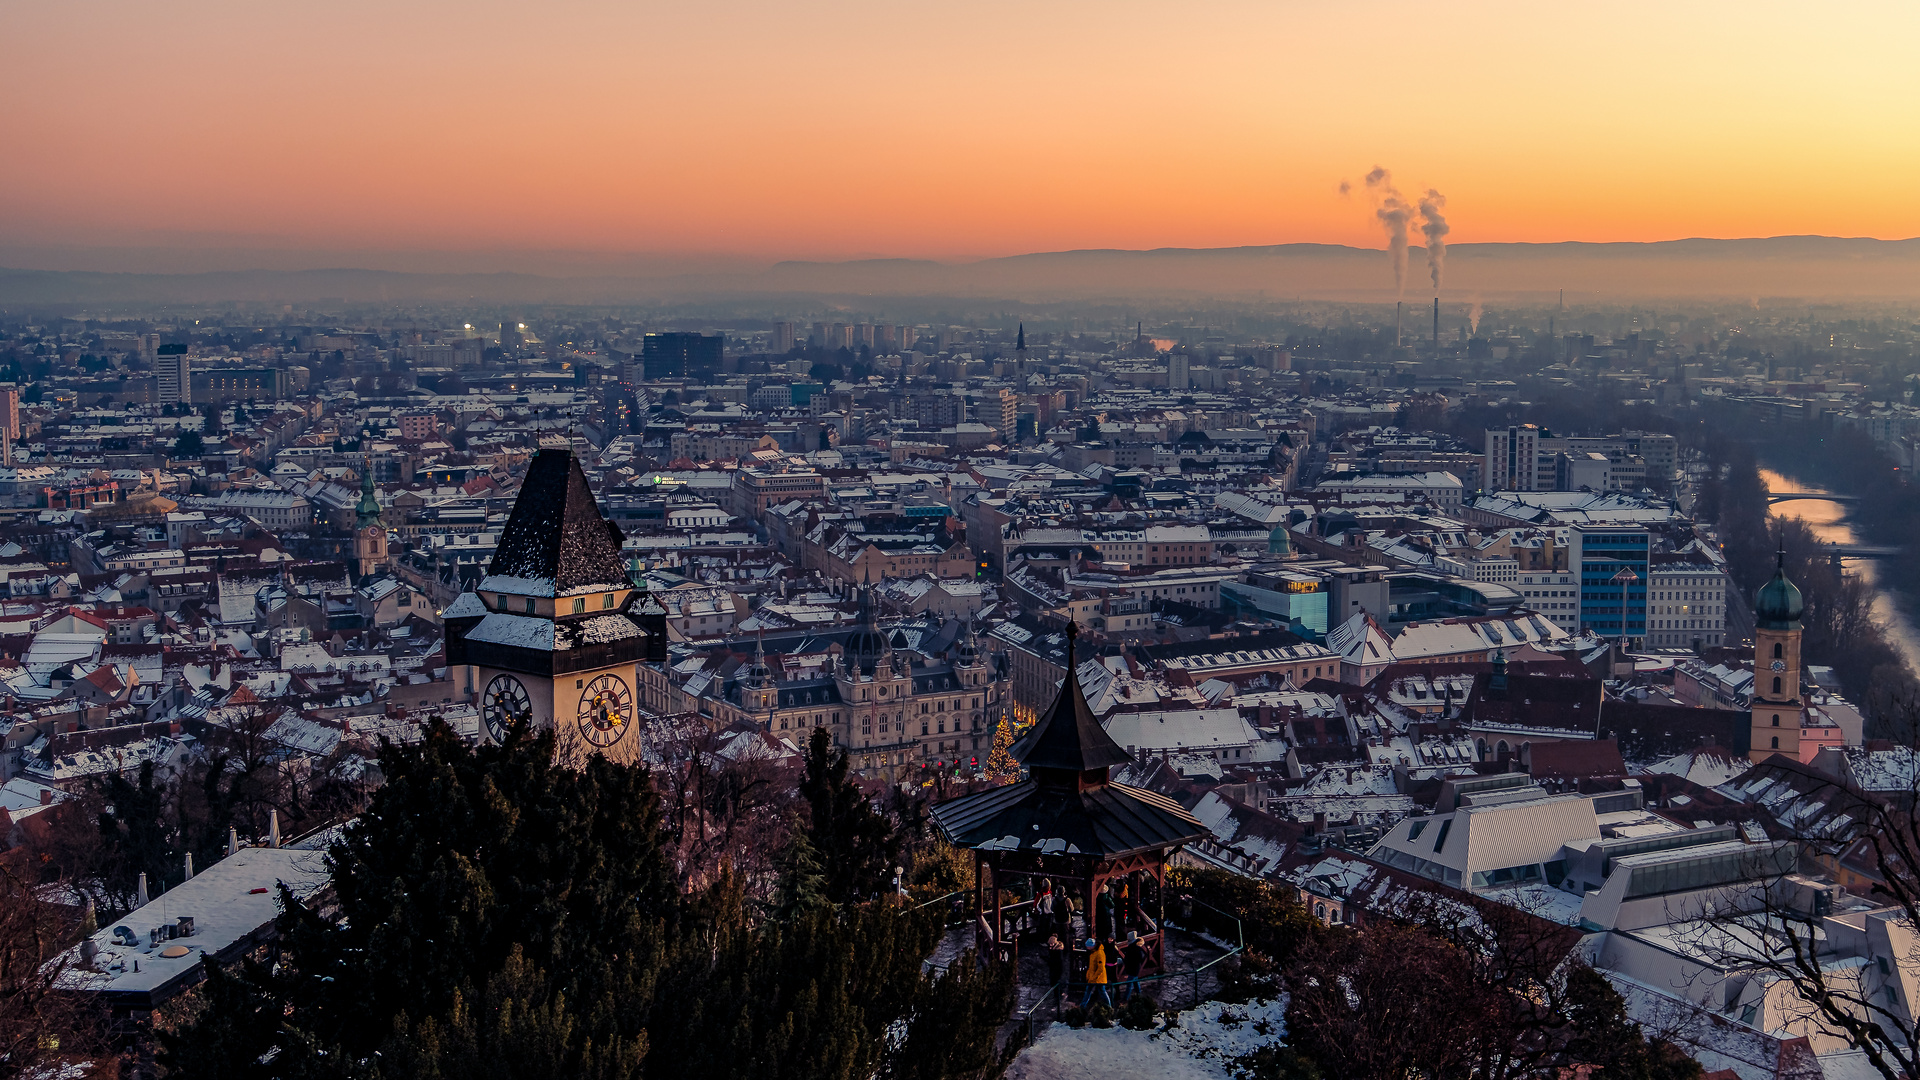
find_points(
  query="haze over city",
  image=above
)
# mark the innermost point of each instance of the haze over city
(441, 136)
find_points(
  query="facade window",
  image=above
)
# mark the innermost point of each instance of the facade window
(1777, 654)
(1776, 719)
(529, 605)
(580, 605)
(1776, 742)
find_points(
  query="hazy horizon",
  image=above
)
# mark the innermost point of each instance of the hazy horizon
(1788, 268)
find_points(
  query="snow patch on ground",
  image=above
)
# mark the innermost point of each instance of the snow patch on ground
(1201, 1047)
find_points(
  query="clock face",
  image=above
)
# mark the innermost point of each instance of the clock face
(1779, 665)
(505, 706)
(606, 710)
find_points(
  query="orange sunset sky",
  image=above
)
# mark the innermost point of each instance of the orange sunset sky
(944, 129)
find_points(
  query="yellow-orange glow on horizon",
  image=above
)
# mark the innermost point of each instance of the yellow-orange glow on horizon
(947, 129)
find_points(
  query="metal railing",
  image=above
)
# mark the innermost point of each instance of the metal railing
(1028, 1022)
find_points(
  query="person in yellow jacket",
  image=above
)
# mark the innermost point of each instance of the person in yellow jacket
(1096, 976)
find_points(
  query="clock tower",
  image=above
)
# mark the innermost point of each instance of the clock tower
(554, 635)
(369, 534)
(1776, 668)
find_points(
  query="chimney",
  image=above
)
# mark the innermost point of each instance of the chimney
(233, 840)
(140, 897)
(46, 796)
(273, 828)
(1436, 328)
(189, 876)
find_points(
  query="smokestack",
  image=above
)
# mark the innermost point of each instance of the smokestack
(1399, 307)
(1436, 328)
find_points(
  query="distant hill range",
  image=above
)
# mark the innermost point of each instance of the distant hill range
(1811, 268)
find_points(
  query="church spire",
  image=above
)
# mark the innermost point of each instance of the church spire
(368, 511)
(1020, 339)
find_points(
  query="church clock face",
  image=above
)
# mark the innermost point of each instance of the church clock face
(606, 710)
(505, 706)
(1779, 665)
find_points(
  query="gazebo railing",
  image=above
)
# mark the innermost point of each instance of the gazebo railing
(1046, 1009)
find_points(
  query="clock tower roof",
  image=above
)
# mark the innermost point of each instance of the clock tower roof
(555, 542)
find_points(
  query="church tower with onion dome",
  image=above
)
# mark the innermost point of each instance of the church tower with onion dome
(369, 532)
(1776, 668)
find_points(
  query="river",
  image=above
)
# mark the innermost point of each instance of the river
(1828, 520)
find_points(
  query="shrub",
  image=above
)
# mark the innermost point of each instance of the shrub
(1138, 1013)
(1100, 1017)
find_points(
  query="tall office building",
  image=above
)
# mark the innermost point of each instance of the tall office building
(172, 374)
(781, 342)
(1178, 377)
(1614, 568)
(681, 356)
(1512, 462)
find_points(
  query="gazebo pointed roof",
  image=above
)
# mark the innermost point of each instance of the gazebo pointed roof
(1067, 806)
(1069, 738)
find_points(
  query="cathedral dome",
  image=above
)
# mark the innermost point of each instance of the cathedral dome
(1778, 605)
(1280, 541)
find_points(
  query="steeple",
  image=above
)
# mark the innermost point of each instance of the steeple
(368, 511)
(1020, 339)
(1068, 747)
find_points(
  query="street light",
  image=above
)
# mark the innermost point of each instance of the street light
(1625, 577)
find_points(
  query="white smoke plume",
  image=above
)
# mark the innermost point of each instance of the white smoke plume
(1474, 311)
(1436, 229)
(1395, 214)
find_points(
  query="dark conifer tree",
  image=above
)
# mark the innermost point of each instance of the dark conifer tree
(855, 842)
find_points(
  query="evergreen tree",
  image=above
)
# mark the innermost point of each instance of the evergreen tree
(854, 840)
(803, 884)
(1001, 766)
(1601, 1034)
(501, 916)
(133, 826)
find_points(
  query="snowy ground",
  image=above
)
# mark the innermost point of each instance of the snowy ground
(1201, 1047)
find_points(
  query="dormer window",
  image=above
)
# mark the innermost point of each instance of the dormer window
(529, 605)
(579, 605)
(606, 601)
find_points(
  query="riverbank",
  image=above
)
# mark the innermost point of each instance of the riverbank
(1831, 523)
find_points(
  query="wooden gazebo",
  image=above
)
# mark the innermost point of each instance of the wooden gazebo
(1068, 823)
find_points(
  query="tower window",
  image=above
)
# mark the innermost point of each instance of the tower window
(1776, 684)
(1776, 742)
(1776, 719)
(1777, 653)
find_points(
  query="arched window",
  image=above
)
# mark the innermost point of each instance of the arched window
(1776, 742)
(1776, 684)
(1776, 719)
(1777, 653)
